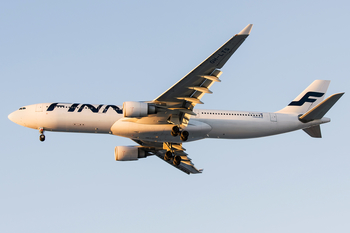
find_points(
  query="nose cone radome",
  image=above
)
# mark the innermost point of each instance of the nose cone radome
(11, 116)
(15, 117)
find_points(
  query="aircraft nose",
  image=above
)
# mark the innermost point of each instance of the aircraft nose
(14, 117)
(11, 116)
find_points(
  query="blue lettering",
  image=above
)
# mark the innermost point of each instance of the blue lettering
(92, 108)
(306, 98)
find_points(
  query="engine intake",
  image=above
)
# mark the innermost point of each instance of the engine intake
(128, 153)
(138, 109)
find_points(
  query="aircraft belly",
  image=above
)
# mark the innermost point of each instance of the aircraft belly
(238, 129)
(251, 128)
(78, 122)
(157, 132)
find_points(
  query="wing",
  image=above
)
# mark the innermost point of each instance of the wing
(187, 92)
(175, 106)
(159, 149)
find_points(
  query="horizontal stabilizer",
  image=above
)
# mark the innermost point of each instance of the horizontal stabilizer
(321, 109)
(314, 131)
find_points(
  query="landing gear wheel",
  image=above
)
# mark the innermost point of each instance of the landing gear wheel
(173, 134)
(184, 136)
(42, 137)
(175, 131)
(168, 155)
(177, 160)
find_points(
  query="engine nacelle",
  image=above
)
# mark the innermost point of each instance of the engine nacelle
(138, 109)
(128, 153)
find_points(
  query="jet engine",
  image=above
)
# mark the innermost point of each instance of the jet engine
(138, 109)
(128, 153)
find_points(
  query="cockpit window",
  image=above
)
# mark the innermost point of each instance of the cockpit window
(22, 108)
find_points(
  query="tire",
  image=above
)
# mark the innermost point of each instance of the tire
(175, 131)
(177, 160)
(168, 155)
(184, 136)
(173, 134)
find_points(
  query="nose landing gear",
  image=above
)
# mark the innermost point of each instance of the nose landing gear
(42, 136)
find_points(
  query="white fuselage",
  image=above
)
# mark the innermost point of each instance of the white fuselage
(108, 119)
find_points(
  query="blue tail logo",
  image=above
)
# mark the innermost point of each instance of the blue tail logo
(306, 98)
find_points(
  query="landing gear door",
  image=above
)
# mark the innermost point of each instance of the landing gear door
(273, 117)
(39, 108)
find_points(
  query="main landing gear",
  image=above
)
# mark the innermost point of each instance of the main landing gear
(168, 155)
(183, 134)
(176, 158)
(42, 136)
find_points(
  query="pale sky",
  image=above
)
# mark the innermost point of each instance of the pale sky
(113, 51)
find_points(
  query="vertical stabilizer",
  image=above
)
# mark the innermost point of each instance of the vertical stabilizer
(309, 98)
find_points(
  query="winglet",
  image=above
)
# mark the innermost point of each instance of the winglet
(246, 30)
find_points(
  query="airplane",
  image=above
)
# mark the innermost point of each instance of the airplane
(161, 126)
